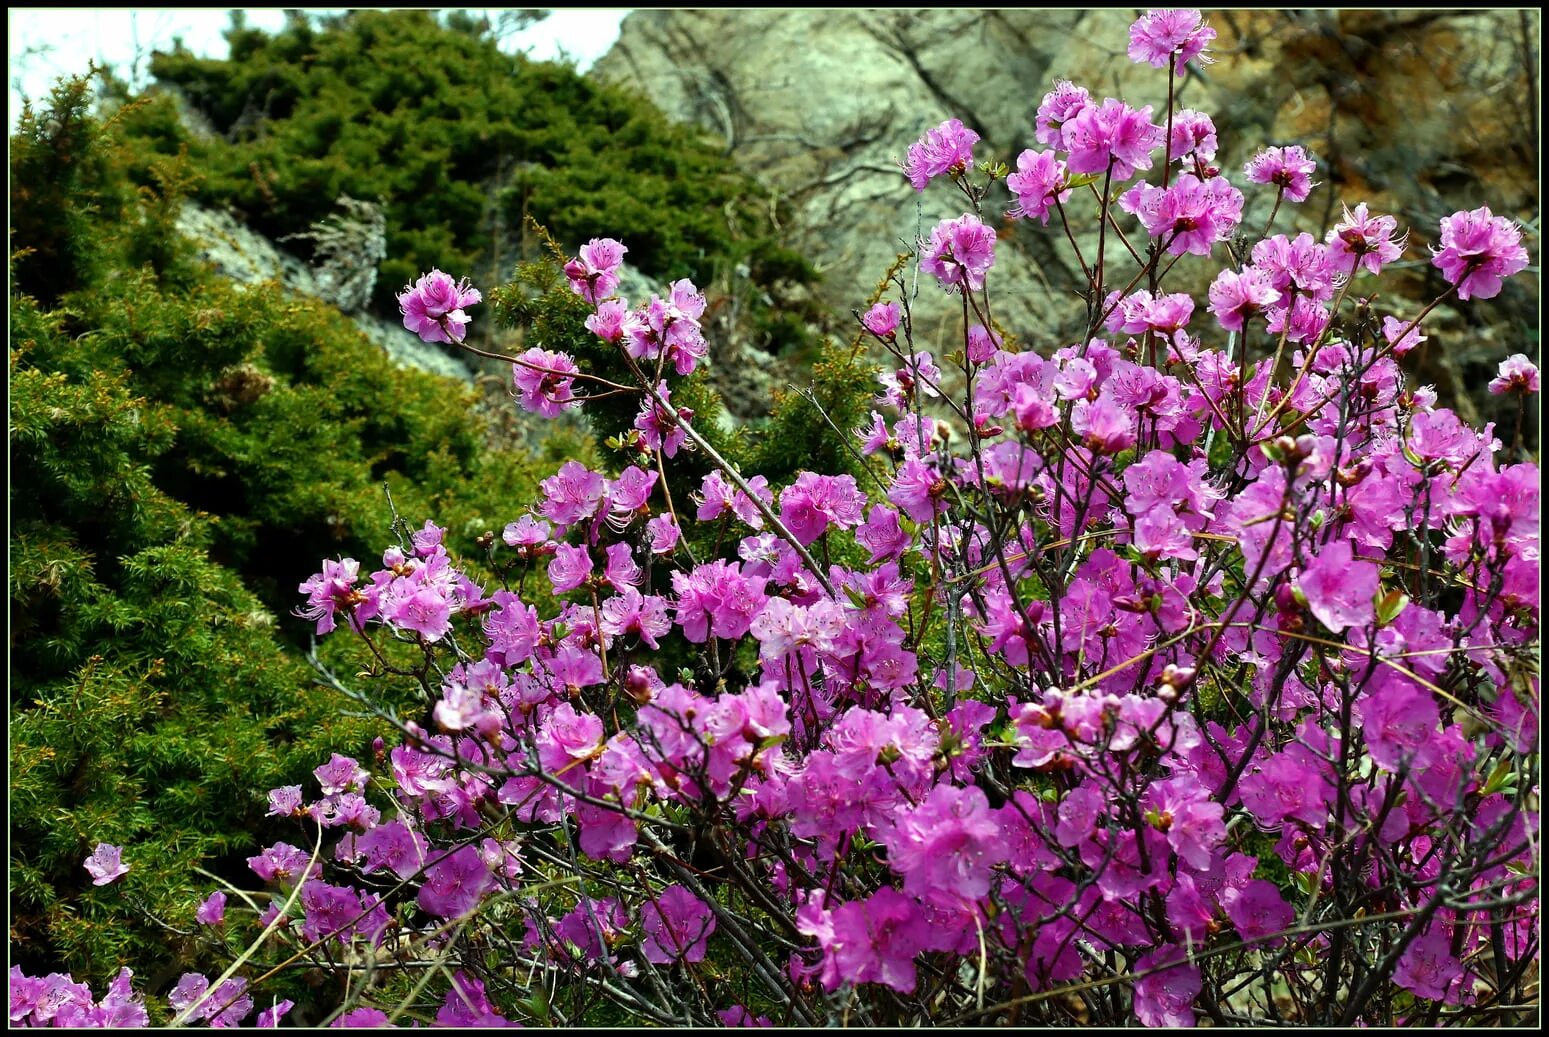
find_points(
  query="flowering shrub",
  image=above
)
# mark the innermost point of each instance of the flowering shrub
(1185, 672)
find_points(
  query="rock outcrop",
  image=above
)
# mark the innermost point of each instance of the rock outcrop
(247, 257)
(1417, 112)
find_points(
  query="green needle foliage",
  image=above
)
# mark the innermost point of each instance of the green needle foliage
(183, 453)
(464, 144)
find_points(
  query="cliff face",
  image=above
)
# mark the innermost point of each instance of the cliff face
(1418, 113)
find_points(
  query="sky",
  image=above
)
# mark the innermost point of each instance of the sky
(45, 43)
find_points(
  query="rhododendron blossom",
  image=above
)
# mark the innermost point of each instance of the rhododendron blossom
(432, 307)
(1177, 35)
(959, 254)
(105, 864)
(1478, 250)
(1288, 169)
(945, 149)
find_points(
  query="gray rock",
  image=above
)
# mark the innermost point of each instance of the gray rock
(1416, 112)
(248, 257)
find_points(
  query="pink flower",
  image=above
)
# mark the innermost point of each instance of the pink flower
(946, 149)
(393, 846)
(1038, 182)
(285, 801)
(513, 630)
(1516, 374)
(1361, 240)
(1478, 249)
(1303, 321)
(1193, 134)
(361, 1018)
(660, 427)
(719, 497)
(919, 375)
(269, 1018)
(882, 319)
(919, 490)
(739, 1015)
(228, 1004)
(668, 327)
(1112, 138)
(340, 774)
(1428, 968)
(630, 613)
(594, 275)
(814, 502)
(466, 1005)
(1166, 998)
(1339, 588)
(525, 532)
(189, 989)
(281, 862)
(959, 254)
(1157, 36)
(569, 568)
(1161, 534)
(1397, 720)
(1439, 435)
(946, 846)
(193, 995)
(433, 307)
(427, 539)
(455, 884)
(683, 336)
(1234, 297)
(1257, 909)
(664, 533)
(104, 866)
(612, 321)
(1402, 335)
(1290, 169)
(1190, 215)
(982, 344)
(572, 494)
(1302, 265)
(329, 911)
(426, 612)
(619, 569)
(876, 940)
(543, 382)
(677, 925)
(882, 535)
(1103, 424)
(1058, 107)
(719, 598)
(333, 590)
(628, 496)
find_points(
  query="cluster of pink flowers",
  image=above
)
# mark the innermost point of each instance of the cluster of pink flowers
(545, 381)
(1189, 214)
(960, 252)
(944, 150)
(663, 330)
(1177, 35)
(1138, 665)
